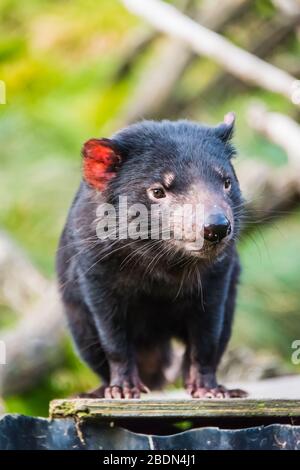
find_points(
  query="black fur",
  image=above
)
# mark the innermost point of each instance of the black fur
(123, 315)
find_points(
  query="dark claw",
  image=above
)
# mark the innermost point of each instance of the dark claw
(217, 392)
(125, 391)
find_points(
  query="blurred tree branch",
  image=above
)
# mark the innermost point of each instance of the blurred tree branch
(279, 129)
(33, 346)
(273, 34)
(134, 48)
(20, 283)
(270, 190)
(203, 41)
(287, 7)
(170, 61)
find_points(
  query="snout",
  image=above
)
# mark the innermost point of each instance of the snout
(216, 227)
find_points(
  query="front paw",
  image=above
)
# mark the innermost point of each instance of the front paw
(216, 392)
(125, 390)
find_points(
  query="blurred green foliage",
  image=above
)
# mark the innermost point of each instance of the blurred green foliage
(59, 59)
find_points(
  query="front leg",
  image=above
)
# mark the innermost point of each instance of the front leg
(200, 358)
(109, 315)
(206, 330)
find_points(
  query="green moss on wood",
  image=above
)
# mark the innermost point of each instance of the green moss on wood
(148, 408)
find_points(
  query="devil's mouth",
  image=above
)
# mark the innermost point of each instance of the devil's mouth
(208, 249)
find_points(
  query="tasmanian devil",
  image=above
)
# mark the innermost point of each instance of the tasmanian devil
(126, 297)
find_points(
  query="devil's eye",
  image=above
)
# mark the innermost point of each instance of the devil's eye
(227, 183)
(158, 193)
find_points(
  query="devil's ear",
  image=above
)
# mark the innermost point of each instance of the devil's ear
(225, 130)
(101, 160)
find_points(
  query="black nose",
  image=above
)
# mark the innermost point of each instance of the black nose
(216, 227)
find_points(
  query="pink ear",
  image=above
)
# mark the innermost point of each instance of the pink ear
(225, 130)
(99, 162)
(229, 118)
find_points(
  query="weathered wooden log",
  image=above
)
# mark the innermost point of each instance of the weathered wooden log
(170, 408)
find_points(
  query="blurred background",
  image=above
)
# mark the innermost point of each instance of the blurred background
(83, 68)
